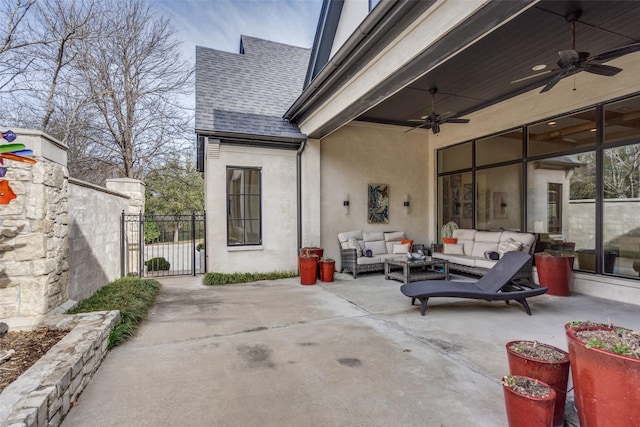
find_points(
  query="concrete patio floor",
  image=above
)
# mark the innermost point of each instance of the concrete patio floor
(346, 353)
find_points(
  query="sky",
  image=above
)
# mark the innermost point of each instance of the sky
(218, 24)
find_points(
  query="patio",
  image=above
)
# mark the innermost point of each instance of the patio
(351, 352)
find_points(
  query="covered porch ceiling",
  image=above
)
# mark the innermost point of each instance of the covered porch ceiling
(491, 70)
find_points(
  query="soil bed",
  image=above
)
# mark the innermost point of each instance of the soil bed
(526, 386)
(535, 350)
(29, 347)
(621, 341)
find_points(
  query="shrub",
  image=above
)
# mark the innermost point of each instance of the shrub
(131, 295)
(200, 247)
(212, 279)
(157, 264)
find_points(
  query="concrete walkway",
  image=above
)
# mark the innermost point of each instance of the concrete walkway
(347, 353)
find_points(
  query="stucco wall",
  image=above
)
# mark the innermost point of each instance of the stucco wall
(94, 237)
(361, 154)
(279, 210)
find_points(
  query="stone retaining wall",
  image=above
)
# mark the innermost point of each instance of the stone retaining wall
(43, 395)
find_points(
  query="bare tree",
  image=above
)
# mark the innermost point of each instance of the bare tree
(135, 79)
(14, 37)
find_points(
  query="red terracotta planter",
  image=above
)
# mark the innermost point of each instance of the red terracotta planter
(605, 384)
(327, 268)
(308, 266)
(312, 250)
(528, 411)
(555, 273)
(554, 374)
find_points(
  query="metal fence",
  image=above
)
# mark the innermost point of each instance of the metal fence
(163, 245)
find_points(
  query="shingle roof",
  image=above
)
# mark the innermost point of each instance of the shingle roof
(248, 92)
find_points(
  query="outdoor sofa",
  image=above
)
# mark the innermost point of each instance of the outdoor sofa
(382, 245)
(468, 253)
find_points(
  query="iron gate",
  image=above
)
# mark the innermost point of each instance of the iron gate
(162, 245)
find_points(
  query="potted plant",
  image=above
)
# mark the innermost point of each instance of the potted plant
(528, 401)
(201, 253)
(555, 270)
(308, 266)
(543, 362)
(605, 365)
(327, 268)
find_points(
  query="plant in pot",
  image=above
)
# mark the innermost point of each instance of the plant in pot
(605, 365)
(543, 362)
(555, 270)
(327, 268)
(528, 401)
(308, 266)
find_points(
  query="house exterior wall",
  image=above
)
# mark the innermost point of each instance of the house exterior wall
(279, 210)
(352, 15)
(360, 154)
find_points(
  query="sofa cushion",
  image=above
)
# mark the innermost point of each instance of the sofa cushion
(488, 236)
(370, 236)
(453, 249)
(410, 242)
(465, 237)
(377, 247)
(479, 248)
(400, 248)
(363, 260)
(526, 239)
(508, 246)
(393, 236)
(344, 237)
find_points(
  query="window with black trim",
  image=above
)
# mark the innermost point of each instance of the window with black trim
(244, 206)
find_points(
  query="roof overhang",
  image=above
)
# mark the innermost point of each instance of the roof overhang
(474, 52)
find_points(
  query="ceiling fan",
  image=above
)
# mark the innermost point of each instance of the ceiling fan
(571, 62)
(433, 120)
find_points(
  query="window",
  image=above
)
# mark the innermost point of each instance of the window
(568, 133)
(455, 158)
(244, 206)
(499, 148)
(498, 198)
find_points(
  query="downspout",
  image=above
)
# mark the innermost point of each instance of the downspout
(299, 190)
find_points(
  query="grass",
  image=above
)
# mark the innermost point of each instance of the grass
(131, 295)
(213, 279)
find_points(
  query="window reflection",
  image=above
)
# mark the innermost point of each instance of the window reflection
(498, 198)
(563, 133)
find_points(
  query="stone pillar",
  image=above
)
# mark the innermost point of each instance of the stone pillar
(34, 268)
(132, 188)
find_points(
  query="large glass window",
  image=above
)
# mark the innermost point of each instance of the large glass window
(567, 133)
(244, 225)
(499, 148)
(499, 198)
(621, 228)
(561, 205)
(455, 158)
(457, 199)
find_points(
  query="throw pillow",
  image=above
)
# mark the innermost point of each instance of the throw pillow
(378, 247)
(410, 242)
(453, 240)
(453, 249)
(401, 249)
(492, 255)
(356, 245)
(508, 245)
(368, 253)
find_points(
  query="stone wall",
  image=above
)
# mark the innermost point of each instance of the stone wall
(60, 237)
(34, 269)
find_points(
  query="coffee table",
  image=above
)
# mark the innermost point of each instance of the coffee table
(406, 271)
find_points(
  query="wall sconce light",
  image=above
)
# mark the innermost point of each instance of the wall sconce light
(406, 204)
(345, 204)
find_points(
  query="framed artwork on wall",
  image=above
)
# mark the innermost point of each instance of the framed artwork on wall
(378, 204)
(467, 211)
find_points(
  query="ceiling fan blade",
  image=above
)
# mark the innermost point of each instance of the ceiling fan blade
(416, 120)
(554, 81)
(416, 127)
(453, 120)
(532, 76)
(615, 53)
(601, 70)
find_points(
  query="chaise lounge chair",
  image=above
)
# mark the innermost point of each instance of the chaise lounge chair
(496, 285)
